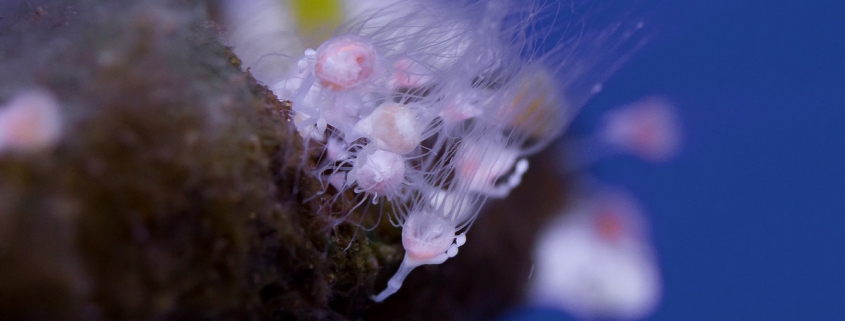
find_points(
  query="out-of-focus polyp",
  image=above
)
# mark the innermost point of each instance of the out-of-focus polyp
(648, 128)
(596, 261)
(30, 121)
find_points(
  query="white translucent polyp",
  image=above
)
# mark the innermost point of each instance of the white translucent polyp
(426, 235)
(479, 164)
(345, 62)
(379, 173)
(456, 206)
(461, 106)
(428, 238)
(391, 127)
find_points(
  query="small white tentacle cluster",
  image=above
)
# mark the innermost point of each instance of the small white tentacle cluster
(434, 107)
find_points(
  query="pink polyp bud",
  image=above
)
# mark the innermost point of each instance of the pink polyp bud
(647, 128)
(460, 107)
(409, 73)
(480, 164)
(608, 226)
(345, 62)
(616, 217)
(30, 121)
(392, 127)
(426, 235)
(379, 173)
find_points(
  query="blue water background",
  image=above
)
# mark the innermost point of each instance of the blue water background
(749, 220)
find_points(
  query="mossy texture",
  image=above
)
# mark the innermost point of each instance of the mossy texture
(178, 189)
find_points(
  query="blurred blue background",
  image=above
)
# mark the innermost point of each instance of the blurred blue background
(749, 220)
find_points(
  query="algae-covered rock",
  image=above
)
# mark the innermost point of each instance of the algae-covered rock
(175, 189)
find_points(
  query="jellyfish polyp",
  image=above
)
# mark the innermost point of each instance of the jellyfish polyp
(379, 173)
(428, 238)
(345, 62)
(427, 235)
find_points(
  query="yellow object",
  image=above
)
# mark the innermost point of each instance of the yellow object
(536, 108)
(315, 19)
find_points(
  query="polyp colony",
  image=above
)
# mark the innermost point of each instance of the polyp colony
(432, 109)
